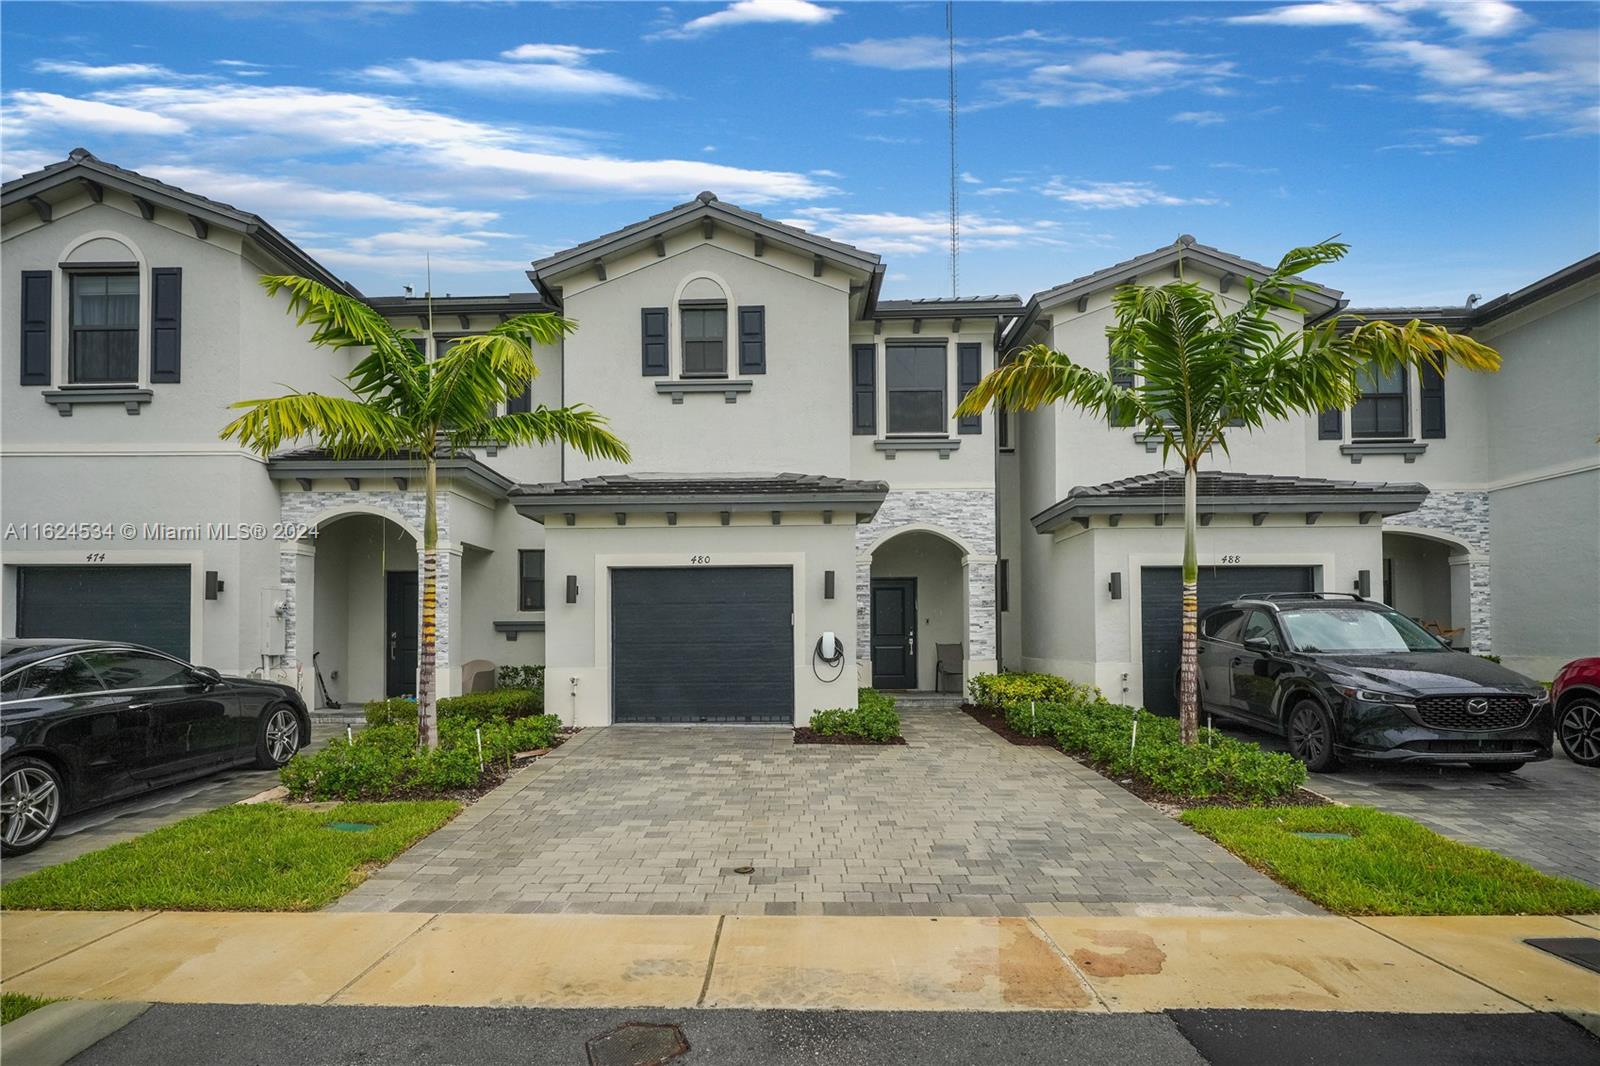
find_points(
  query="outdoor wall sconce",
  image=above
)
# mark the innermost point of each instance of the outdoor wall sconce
(572, 588)
(214, 585)
(1364, 583)
(827, 584)
(1116, 585)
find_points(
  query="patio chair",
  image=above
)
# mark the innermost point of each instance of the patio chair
(948, 664)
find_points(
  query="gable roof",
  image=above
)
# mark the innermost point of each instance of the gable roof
(997, 306)
(81, 167)
(704, 206)
(1319, 299)
(1224, 492)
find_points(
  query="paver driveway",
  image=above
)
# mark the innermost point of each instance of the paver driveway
(637, 819)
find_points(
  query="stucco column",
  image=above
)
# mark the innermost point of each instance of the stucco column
(447, 665)
(297, 571)
(981, 620)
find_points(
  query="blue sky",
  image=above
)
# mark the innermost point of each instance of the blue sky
(1454, 145)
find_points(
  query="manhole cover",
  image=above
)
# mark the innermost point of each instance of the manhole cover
(352, 827)
(1579, 950)
(637, 1044)
(1325, 836)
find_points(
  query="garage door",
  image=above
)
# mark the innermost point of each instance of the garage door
(705, 644)
(144, 604)
(1161, 604)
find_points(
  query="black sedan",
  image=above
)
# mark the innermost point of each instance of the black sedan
(1341, 676)
(86, 722)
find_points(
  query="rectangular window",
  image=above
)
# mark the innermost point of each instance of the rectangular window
(705, 341)
(1002, 574)
(1122, 376)
(915, 383)
(531, 583)
(1002, 428)
(105, 329)
(1381, 411)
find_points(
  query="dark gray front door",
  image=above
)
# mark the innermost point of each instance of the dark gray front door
(1161, 607)
(400, 633)
(703, 644)
(894, 632)
(141, 604)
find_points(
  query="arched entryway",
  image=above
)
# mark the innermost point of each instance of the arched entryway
(1427, 577)
(918, 604)
(364, 609)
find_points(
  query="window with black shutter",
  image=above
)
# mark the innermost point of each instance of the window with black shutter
(36, 327)
(705, 339)
(104, 323)
(530, 595)
(863, 389)
(1381, 411)
(1330, 425)
(1432, 398)
(166, 325)
(653, 335)
(520, 402)
(914, 385)
(1122, 377)
(752, 340)
(969, 369)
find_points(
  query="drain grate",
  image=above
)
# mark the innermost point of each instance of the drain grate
(1579, 950)
(352, 827)
(637, 1044)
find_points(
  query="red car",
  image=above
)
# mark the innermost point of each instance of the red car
(1576, 697)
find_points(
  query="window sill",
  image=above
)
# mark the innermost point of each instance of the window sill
(943, 445)
(130, 396)
(729, 387)
(514, 629)
(1360, 449)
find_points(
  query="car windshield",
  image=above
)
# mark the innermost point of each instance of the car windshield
(1336, 629)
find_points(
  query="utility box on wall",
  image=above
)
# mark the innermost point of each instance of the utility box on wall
(274, 622)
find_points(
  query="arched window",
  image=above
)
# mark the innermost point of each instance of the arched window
(703, 323)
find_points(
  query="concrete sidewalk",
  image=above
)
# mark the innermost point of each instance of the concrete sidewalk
(1091, 964)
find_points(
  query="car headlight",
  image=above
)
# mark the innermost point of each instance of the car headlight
(1366, 695)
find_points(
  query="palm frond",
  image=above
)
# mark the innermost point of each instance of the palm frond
(577, 426)
(345, 427)
(339, 321)
(1037, 376)
(541, 327)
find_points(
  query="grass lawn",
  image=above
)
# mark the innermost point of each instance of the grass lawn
(256, 857)
(14, 1005)
(1391, 866)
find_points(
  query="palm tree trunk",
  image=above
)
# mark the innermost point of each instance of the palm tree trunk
(427, 724)
(1189, 656)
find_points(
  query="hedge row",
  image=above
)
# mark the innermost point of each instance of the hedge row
(996, 692)
(505, 704)
(873, 718)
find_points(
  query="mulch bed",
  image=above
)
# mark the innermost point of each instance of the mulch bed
(804, 735)
(1164, 801)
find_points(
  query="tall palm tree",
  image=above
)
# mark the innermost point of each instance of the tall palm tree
(403, 403)
(1204, 370)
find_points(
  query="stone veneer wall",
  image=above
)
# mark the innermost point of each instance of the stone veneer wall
(407, 508)
(964, 513)
(1464, 515)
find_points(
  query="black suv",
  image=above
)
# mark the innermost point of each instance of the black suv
(1339, 675)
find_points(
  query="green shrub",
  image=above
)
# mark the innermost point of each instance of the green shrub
(873, 719)
(995, 692)
(520, 677)
(1216, 767)
(383, 762)
(504, 704)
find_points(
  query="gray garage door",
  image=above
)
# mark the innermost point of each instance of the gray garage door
(1162, 614)
(144, 604)
(703, 644)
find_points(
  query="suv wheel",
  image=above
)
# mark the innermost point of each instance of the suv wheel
(30, 804)
(1578, 726)
(1311, 737)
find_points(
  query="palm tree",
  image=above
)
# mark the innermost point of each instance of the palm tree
(403, 403)
(1204, 370)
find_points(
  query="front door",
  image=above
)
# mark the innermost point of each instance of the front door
(400, 628)
(894, 632)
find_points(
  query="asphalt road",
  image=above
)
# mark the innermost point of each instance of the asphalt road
(215, 1035)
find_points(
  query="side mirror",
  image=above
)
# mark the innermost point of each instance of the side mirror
(206, 676)
(1256, 643)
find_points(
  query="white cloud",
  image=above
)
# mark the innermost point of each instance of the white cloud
(1200, 118)
(1434, 141)
(1558, 75)
(1376, 17)
(1141, 65)
(109, 72)
(563, 77)
(28, 109)
(1112, 77)
(1476, 18)
(567, 54)
(744, 12)
(1106, 195)
(280, 197)
(893, 233)
(892, 53)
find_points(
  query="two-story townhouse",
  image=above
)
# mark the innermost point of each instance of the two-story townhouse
(1390, 499)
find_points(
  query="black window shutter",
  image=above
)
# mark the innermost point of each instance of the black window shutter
(752, 340)
(36, 327)
(653, 329)
(863, 389)
(520, 402)
(166, 324)
(1121, 376)
(1432, 403)
(969, 368)
(1330, 425)
(1002, 427)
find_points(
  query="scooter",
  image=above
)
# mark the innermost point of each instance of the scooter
(327, 697)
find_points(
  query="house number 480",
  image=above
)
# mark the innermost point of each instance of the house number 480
(699, 560)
